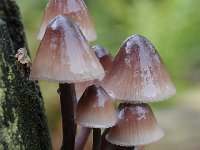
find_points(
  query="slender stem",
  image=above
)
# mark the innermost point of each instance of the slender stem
(104, 143)
(96, 139)
(67, 101)
(82, 138)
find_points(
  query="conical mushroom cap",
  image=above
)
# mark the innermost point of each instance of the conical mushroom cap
(76, 10)
(95, 109)
(138, 74)
(105, 59)
(105, 145)
(64, 55)
(136, 126)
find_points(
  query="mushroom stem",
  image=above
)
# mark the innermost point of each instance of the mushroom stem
(96, 139)
(104, 142)
(67, 101)
(82, 138)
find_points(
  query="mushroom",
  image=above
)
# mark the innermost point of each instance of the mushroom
(141, 72)
(136, 126)
(64, 56)
(96, 110)
(137, 76)
(76, 10)
(105, 59)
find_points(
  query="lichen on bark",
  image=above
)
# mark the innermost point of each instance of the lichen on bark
(23, 124)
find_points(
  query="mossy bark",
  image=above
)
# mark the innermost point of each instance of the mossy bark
(23, 125)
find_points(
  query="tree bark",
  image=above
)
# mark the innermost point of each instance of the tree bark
(23, 124)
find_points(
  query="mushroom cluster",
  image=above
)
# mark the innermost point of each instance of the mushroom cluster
(136, 76)
(64, 56)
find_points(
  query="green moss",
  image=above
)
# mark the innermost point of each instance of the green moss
(2, 93)
(23, 124)
(7, 134)
(11, 75)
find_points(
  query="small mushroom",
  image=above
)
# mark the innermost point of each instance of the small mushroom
(76, 10)
(136, 126)
(96, 110)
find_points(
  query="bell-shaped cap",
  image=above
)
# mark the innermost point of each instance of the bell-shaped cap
(138, 73)
(136, 126)
(64, 55)
(76, 10)
(105, 59)
(105, 145)
(95, 109)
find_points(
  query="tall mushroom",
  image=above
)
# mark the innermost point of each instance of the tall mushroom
(141, 72)
(76, 10)
(138, 75)
(64, 56)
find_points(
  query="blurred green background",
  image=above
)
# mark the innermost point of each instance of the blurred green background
(173, 26)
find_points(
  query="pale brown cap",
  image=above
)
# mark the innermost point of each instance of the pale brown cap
(138, 74)
(105, 145)
(64, 55)
(105, 59)
(76, 10)
(95, 109)
(136, 126)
